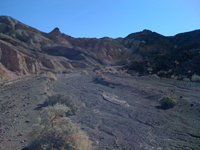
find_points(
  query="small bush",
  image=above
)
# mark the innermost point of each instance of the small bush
(58, 72)
(186, 79)
(98, 78)
(67, 71)
(166, 101)
(111, 71)
(195, 78)
(84, 72)
(62, 99)
(176, 78)
(154, 76)
(96, 72)
(49, 75)
(56, 131)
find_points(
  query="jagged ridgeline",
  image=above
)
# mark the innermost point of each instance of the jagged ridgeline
(25, 50)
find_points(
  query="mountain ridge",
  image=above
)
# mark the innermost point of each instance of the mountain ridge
(26, 50)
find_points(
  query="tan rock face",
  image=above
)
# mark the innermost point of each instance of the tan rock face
(10, 57)
(5, 73)
(25, 50)
(21, 50)
(17, 62)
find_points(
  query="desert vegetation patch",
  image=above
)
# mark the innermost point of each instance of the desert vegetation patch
(167, 101)
(55, 130)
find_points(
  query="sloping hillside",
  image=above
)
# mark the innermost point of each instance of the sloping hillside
(25, 50)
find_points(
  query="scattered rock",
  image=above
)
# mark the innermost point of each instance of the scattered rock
(19, 134)
(27, 121)
(114, 99)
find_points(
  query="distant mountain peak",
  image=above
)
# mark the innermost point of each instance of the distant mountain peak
(146, 31)
(55, 31)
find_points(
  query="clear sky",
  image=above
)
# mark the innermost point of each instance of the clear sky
(100, 18)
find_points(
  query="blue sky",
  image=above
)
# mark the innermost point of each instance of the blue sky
(100, 18)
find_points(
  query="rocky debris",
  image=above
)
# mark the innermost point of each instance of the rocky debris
(114, 99)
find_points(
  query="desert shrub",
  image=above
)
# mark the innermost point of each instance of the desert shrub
(186, 79)
(62, 99)
(195, 78)
(56, 131)
(96, 72)
(155, 76)
(58, 71)
(167, 101)
(84, 72)
(110, 70)
(98, 78)
(176, 77)
(49, 75)
(67, 71)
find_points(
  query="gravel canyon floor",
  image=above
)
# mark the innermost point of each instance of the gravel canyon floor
(120, 113)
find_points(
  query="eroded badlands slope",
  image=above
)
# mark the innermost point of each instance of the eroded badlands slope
(25, 50)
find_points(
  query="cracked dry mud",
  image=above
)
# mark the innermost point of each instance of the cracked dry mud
(121, 114)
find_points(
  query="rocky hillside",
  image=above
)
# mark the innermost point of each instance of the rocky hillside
(176, 56)
(25, 50)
